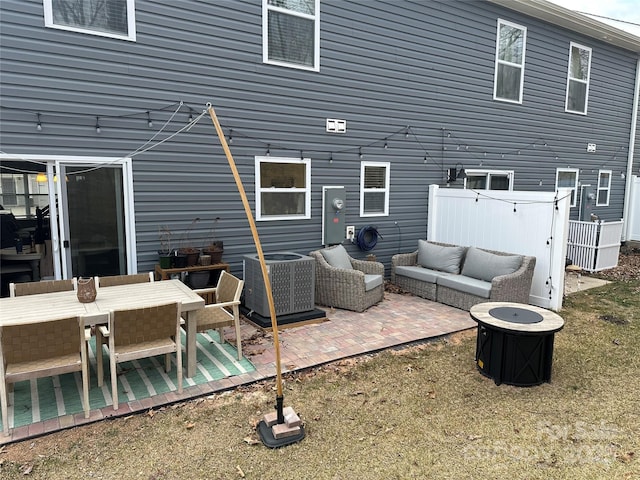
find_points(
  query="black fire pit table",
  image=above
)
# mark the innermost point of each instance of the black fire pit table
(515, 342)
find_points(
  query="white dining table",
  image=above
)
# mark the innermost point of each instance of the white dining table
(49, 306)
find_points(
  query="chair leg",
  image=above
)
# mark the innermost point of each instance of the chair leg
(5, 407)
(114, 379)
(85, 376)
(236, 317)
(100, 367)
(167, 362)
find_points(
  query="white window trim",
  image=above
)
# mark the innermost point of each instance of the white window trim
(602, 189)
(386, 190)
(131, 23)
(569, 79)
(575, 186)
(306, 190)
(498, 61)
(316, 33)
(489, 173)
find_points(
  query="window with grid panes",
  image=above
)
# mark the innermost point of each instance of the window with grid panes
(374, 189)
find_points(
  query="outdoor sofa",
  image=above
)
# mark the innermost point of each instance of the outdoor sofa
(463, 276)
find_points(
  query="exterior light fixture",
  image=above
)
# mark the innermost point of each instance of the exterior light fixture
(456, 173)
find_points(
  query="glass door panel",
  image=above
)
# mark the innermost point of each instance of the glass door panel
(95, 233)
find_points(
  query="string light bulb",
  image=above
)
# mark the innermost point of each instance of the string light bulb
(190, 115)
(268, 149)
(331, 158)
(149, 122)
(98, 125)
(360, 152)
(386, 144)
(231, 135)
(39, 124)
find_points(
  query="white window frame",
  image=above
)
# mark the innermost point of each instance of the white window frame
(364, 191)
(572, 79)
(131, 23)
(266, 8)
(574, 189)
(499, 62)
(259, 189)
(490, 173)
(604, 189)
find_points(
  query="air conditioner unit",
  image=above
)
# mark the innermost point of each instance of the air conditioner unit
(293, 280)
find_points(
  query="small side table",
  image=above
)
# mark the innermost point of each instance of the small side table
(515, 342)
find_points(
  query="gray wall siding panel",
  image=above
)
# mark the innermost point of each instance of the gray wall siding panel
(384, 65)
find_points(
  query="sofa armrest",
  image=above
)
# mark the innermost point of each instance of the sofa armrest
(516, 286)
(404, 260)
(368, 267)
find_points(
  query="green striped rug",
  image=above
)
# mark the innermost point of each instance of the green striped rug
(45, 398)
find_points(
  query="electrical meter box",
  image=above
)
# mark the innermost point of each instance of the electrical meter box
(333, 211)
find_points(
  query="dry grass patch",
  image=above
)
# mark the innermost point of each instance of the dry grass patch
(420, 412)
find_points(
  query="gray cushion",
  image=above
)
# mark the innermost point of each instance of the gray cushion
(420, 273)
(337, 257)
(372, 281)
(484, 265)
(476, 287)
(438, 257)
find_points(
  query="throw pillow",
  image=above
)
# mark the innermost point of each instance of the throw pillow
(439, 257)
(337, 257)
(485, 265)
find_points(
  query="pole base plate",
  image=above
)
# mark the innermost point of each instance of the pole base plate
(266, 436)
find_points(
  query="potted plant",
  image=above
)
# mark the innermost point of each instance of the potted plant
(186, 248)
(216, 247)
(165, 253)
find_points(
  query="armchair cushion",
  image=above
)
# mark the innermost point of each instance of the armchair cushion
(372, 281)
(485, 265)
(438, 257)
(337, 257)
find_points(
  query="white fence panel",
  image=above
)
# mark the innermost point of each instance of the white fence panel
(528, 223)
(594, 246)
(633, 232)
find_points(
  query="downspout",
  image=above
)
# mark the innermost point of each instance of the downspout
(630, 152)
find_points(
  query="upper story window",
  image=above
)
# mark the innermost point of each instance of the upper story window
(374, 189)
(604, 188)
(509, 72)
(291, 33)
(578, 79)
(107, 18)
(489, 179)
(568, 178)
(283, 188)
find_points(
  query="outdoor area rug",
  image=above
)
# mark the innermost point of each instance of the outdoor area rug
(38, 400)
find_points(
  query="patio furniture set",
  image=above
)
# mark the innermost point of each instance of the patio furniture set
(44, 328)
(454, 275)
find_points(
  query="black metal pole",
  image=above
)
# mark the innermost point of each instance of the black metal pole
(279, 408)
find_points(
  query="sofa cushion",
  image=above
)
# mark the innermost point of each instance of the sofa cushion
(372, 281)
(419, 273)
(438, 257)
(337, 257)
(476, 287)
(485, 265)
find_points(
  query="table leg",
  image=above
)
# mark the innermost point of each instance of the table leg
(191, 345)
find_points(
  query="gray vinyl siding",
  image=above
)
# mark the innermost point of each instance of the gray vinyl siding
(384, 65)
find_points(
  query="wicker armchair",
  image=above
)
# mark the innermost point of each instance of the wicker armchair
(356, 288)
